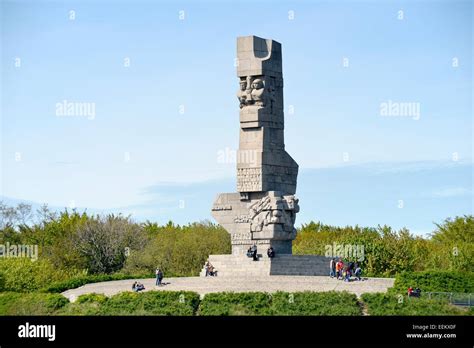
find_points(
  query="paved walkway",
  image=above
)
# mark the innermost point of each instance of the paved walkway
(206, 285)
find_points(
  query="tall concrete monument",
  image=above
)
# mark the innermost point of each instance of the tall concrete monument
(263, 210)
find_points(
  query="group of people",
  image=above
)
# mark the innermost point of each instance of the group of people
(210, 270)
(414, 292)
(252, 252)
(137, 286)
(340, 271)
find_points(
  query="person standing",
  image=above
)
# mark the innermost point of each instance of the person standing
(332, 268)
(339, 269)
(159, 276)
(207, 265)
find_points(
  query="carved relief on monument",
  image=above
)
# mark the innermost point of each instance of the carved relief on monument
(257, 91)
(274, 209)
(249, 179)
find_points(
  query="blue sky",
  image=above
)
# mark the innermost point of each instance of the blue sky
(153, 145)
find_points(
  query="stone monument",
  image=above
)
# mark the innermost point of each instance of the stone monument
(263, 210)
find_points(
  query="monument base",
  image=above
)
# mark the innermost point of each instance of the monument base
(282, 264)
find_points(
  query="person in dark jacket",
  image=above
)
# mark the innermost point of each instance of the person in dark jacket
(271, 252)
(253, 251)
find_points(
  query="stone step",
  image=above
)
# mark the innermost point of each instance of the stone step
(241, 265)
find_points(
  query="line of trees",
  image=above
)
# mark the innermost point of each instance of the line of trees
(73, 243)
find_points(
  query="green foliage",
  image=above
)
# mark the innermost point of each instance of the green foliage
(315, 303)
(388, 252)
(105, 241)
(26, 275)
(453, 244)
(76, 282)
(223, 304)
(280, 303)
(390, 304)
(178, 250)
(31, 303)
(435, 281)
(174, 303)
(152, 303)
(88, 304)
(230, 303)
(91, 298)
(75, 245)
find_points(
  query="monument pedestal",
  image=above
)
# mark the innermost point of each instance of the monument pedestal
(283, 264)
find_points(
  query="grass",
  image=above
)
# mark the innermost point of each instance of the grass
(391, 304)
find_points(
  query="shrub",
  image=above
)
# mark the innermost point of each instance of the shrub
(230, 303)
(280, 303)
(88, 304)
(31, 303)
(390, 304)
(90, 298)
(315, 303)
(25, 275)
(388, 252)
(152, 303)
(436, 281)
(76, 282)
(178, 250)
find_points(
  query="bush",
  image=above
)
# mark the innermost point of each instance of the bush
(31, 303)
(179, 251)
(91, 298)
(25, 275)
(88, 304)
(315, 303)
(280, 303)
(390, 304)
(388, 252)
(230, 303)
(152, 303)
(76, 282)
(436, 281)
